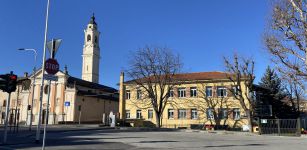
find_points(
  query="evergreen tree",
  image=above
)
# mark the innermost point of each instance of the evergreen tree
(271, 81)
(275, 95)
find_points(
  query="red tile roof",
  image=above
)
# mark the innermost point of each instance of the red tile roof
(215, 75)
(202, 76)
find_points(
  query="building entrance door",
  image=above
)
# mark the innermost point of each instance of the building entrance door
(44, 116)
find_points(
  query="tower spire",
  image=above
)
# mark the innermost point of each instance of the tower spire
(92, 21)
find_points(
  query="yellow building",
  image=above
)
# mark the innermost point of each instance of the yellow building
(199, 99)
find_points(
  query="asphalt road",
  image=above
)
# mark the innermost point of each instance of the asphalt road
(108, 139)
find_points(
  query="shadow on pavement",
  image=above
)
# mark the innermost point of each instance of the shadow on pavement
(235, 145)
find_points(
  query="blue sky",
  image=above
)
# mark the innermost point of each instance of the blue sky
(201, 31)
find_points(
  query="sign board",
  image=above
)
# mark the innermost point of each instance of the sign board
(51, 66)
(67, 104)
(53, 46)
(264, 121)
(50, 77)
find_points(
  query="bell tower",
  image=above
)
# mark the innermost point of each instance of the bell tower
(91, 52)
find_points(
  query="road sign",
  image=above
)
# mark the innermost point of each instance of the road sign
(53, 46)
(264, 121)
(67, 104)
(52, 66)
(50, 77)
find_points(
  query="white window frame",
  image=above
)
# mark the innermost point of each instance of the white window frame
(138, 114)
(207, 91)
(224, 113)
(210, 114)
(181, 92)
(150, 115)
(128, 94)
(171, 93)
(128, 114)
(182, 114)
(193, 92)
(234, 90)
(138, 94)
(170, 114)
(236, 114)
(223, 88)
(194, 114)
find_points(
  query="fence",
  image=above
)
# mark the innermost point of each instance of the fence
(280, 127)
(304, 123)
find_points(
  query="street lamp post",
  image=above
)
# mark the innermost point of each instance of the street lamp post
(33, 84)
(37, 138)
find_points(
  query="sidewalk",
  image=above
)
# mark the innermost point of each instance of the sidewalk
(24, 136)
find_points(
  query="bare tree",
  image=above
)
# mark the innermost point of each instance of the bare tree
(152, 70)
(294, 90)
(241, 74)
(286, 36)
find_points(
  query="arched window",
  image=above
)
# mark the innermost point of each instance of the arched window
(88, 38)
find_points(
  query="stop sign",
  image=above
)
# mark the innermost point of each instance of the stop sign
(51, 66)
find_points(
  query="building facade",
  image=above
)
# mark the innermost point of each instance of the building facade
(199, 99)
(71, 99)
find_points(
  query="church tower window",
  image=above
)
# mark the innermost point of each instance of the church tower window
(88, 38)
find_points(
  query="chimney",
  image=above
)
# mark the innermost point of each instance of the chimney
(25, 74)
(122, 101)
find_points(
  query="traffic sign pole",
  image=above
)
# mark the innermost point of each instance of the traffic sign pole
(47, 115)
(6, 117)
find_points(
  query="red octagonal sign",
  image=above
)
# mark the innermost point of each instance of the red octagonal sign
(52, 66)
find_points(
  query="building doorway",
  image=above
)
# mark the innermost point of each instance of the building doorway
(44, 116)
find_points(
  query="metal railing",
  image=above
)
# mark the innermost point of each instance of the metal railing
(280, 127)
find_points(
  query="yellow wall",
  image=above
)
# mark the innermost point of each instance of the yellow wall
(200, 103)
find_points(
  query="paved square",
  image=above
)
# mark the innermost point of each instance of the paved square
(119, 139)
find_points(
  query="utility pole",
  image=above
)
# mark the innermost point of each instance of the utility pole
(37, 138)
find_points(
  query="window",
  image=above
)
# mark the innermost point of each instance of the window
(236, 114)
(57, 102)
(181, 92)
(128, 94)
(88, 37)
(182, 114)
(210, 115)
(221, 91)
(194, 114)
(150, 114)
(171, 114)
(209, 91)
(127, 114)
(95, 39)
(223, 113)
(138, 114)
(3, 115)
(234, 90)
(4, 103)
(171, 93)
(193, 91)
(138, 94)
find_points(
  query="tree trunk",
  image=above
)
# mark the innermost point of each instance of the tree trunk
(249, 119)
(158, 125)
